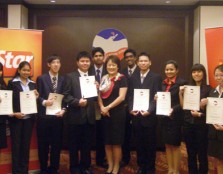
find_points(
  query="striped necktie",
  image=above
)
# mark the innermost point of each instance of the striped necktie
(54, 83)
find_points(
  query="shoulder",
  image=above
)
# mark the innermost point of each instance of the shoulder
(154, 75)
(181, 81)
(43, 76)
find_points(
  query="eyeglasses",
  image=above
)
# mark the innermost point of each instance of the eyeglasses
(130, 56)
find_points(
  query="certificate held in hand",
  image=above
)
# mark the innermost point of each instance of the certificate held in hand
(57, 104)
(28, 102)
(6, 102)
(141, 100)
(163, 104)
(191, 99)
(88, 87)
(214, 113)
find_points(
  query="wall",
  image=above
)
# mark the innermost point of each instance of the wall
(209, 17)
(17, 16)
(162, 33)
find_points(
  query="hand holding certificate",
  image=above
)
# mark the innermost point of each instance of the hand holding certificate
(57, 103)
(191, 100)
(141, 100)
(214, 111)
(88, 87)
(28, 102)
(6, 102)
(163, 105)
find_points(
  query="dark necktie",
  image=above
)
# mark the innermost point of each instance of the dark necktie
(130, 73)
(98, 78)
(54, 83)
(142, 79)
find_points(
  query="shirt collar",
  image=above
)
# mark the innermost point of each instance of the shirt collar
(145, 74)
(96, 68)
(51, 75)
(132, 69)
(18, 79)
(82, 73)
(171, 82)
(218, 90)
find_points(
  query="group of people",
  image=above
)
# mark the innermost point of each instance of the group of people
(111, 116)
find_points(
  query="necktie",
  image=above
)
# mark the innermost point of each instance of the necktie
(98, 78)
(142, 78)
(54, 83)
(130, 73)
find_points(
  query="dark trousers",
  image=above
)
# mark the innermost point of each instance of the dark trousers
(80, 138)
(100, 147)
(128, 134)
(49, 134)
(196, 140)
(145, 138)
(21, 132)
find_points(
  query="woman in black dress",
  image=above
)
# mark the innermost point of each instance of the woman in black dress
(172, 124)
(3, 140)
(215, 132)
(113, 89)
(195, 129)
(21, 125)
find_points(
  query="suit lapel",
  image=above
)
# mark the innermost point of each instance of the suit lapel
(49, 83)
(18, 85)
(146, 79)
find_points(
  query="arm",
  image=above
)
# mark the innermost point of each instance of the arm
(116, 102)
(40, 88)
(68, 97)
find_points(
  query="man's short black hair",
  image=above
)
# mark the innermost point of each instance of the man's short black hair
(53, 57)
(97, 49)
(83, 54)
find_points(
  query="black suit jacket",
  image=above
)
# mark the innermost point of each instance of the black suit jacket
(175, 101)
(126, 74)
(17, 88)
(92, 71)
(44, 87)
(153, 82)
(72, 94)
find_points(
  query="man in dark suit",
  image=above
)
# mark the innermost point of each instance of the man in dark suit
(130, 58)
(144, 122)
(49, 127)
(81, 117)
(99, 71)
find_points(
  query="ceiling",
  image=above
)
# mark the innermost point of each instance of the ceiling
(115, 2)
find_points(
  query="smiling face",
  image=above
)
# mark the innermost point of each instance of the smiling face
(54, 66)
(144, 63)
(171, 71)
(112, 68)
(130, 59)
(197, 76)
(84, 64)
(24, 72)
(218, 76)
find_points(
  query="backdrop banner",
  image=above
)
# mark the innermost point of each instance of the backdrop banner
(214, 47)
(15, 46)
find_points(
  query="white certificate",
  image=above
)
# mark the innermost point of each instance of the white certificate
(57, 103)
(214, 113)
(163, 105)
(191, 98)
(88, 87)
(141, 100)
(6, 102)
(28, 102)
